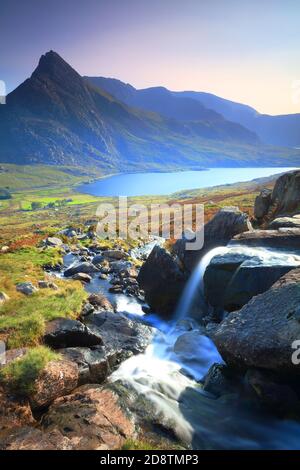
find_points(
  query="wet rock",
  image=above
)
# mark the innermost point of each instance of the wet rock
(26, 288)
(232, 279)
(116, 289)
(220, 380)
(63, 332)
(29, 438)
(262, 203)
(82, 277)
(289, 222)
(58, 378)
(91, 418)
(119, 266)
(3, 298)
(262, 333)
(96, 260)
(87, 310)
(103, 277)
(85, 267)
(95, 364)
(100, 302)
(281, 238)
(227, 223)
(47, 285)
(53, 242)
(119, 332)
(115, 254)
(162, 280)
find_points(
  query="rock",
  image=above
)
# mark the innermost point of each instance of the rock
(286, 192)
(14, 413)
(26, 288)
(29, 438)
(85, 267)
(277, 397)
(63, 332)
(233, 278)
(47, 285)
(103, 277)
(261, 334)
(12, 354)
(53, 242)
(289, 222)
(94, 364)
(119, 332)
(82, 277)
(101, 302)
(58, 378)
(220, 380)
(119, 266)
(87, 310)
(281, 238)
(162, 280)
(91, 418)
(116, 289)
(69, 232)
(262, 203)
(5, 249)
(227, 223)
(3, 298)
(96, 260)
(115, 254)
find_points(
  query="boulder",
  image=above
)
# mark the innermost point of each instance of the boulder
(233, 278)
(97, 259)
(100, 302)
(119, 332)
(58, 378)
(47, 285)
(220, 380)
(262, 203)
(85, 267)
(30, 438)
(91, 418)
(82, 277)
(63, 332)
(286, 192)
(26, 288)
(227, 223)
(286, 238)
(3, 298)
(162, 280)
(289, 222)
(53, 242)
(262, 333)
(115, 254)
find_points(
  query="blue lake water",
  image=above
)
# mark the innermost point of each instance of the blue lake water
(143, 184)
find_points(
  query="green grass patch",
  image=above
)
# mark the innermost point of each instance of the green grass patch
(20, 375)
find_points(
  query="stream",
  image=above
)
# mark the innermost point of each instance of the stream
(180, 354)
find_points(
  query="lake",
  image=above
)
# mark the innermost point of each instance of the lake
(144, 184)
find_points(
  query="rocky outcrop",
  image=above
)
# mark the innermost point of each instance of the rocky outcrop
(91, 418)
(58, 378)
(227, 223)
(233, 278)
(63, 332)
(162, 280)
(282, 238)
(262, 333)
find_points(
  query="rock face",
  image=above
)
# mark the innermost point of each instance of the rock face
(63, 332)
(120, 333)
(29, 438)
(262, 203)
(227, 223)
(289, 222)
(286, 192)
(91, 418)
(281, 238)
(232, 279)
(162, 280)
(262, 333)
(85, 267)
(58, 378)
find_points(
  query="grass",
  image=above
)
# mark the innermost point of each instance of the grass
(20, 375)
(131, 444)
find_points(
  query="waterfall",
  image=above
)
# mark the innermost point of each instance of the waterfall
(194, 288)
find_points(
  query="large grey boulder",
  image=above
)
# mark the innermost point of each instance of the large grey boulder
(286, 192)
(85, 267)
(26, 288)
(227, 223)
(162, 280)
(63, 333)
(287, 238)
(262, 333)
(233, 278)
(262, 203)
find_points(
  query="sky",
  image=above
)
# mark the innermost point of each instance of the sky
(244, 50)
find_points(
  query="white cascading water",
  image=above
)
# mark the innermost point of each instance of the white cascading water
(179, 356)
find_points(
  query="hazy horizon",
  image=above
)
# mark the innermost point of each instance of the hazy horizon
(246, 52)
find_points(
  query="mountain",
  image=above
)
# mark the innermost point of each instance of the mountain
(279, 130)
(58, 117)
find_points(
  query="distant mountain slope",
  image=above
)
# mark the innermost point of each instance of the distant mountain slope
(281, 130)
(57, 117)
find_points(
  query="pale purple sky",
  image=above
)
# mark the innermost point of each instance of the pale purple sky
(244, 50)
